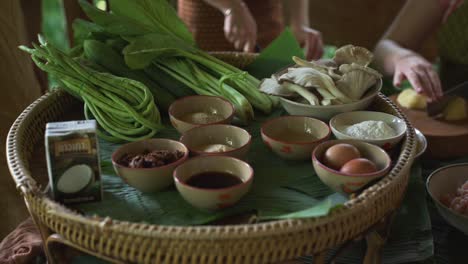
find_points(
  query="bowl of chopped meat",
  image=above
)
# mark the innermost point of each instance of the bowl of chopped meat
(148, 165)
(448, 187)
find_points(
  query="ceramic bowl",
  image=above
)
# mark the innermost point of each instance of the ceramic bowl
(209, 109)
(199, 139)
(213, 199)
(294, 137)
(447, 180)
(327, 112)
(349, 183)
(422, 143)
(148, 179)
(340, 122)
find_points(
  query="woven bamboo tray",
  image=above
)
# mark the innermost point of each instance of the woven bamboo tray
(124, 242)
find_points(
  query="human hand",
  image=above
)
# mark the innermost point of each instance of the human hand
(240, 27)
(311, 39)
(420, 73)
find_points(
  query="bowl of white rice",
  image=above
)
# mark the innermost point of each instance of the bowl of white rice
(381, 129)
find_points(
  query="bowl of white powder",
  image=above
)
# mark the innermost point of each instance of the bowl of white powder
(377, 128)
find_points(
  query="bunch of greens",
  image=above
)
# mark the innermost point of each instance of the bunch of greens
(152, 39)
(124, 108)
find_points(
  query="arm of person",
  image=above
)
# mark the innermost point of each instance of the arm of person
(395, 53)
(240, 27)
(299, 23)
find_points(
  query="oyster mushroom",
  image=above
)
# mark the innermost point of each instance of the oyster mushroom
(327, 62)
(287, 89)
(352, 54)
(323, 68)
(356, 80)
(271, 86)
(345, 68)
(309, 77)
(306, 94)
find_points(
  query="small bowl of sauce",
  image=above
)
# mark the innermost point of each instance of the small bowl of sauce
(192, 111)
(221, 139)
(213, 182)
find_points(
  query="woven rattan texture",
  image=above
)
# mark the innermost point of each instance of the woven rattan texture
(254, 243)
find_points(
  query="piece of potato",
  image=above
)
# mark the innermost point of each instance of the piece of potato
(455, 110)
(409, 98)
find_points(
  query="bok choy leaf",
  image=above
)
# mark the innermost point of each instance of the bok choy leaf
(155, 14)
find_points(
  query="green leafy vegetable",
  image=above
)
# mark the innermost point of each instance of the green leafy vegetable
(158, 49)
(160, 43)
(157, 15)
(113, 23)
(123, 108)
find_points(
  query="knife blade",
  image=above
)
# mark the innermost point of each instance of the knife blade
(436, 107)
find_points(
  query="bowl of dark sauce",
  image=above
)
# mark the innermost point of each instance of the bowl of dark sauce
(213, 182)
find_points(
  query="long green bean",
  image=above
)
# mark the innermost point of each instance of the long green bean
(124, 108)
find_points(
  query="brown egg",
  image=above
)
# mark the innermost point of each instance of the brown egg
(337, 155)
(359, 166)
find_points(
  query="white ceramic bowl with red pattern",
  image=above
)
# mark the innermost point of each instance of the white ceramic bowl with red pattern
(348, 183)
(220, 139)
(197, 110)
(148, 179)
(294, 137)
(202, 181)
(341, 122)
(326, 112)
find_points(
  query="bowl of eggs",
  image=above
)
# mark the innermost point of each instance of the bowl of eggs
(197, 110)
(381, 129)
(347, 166)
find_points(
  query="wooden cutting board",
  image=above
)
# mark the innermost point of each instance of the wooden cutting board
(445, 139)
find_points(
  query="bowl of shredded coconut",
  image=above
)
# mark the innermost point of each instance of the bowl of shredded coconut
(381, 129)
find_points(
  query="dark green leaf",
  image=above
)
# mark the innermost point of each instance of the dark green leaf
(83, 30)
(276, 56)
(319, 209)
(144, 49)
(155, 14)
(113, 23)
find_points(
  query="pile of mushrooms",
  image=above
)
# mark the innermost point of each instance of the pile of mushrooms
(344, 79)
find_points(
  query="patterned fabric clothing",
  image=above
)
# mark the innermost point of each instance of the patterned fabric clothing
(453, 47)
(449, 6)
(206, 22)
